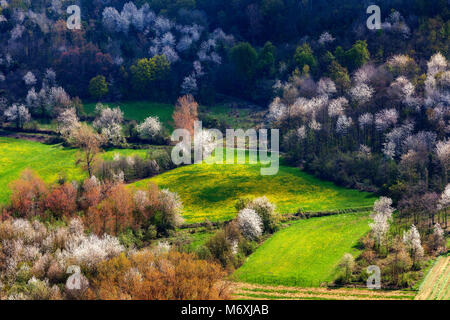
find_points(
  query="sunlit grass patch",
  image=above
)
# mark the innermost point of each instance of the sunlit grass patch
(140, 110)
(307, 253)
(211, 190)
(49, 161)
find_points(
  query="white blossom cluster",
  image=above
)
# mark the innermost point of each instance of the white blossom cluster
(109, 123)
(171, 206)
(395, 140)
(208, 142)
(29, 78)
(343, 124)
(412, 240)
(149, 128)
(365, 120)
(49, 97)
(37, 255)
(67, 122)
(365, 74)
(396, 24)
(436, 90)
(326, 38)
(386, 118)
(382, 215)
(18, 114)
(444, 201)
(190, 83)
(88, 251)
(250, 224)
(361, 93)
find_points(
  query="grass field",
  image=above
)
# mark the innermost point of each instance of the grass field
(211, 191)
(246, 291)
(49, 161)
(207, 191)
(307, 253)
(436, 285)
(140, 110)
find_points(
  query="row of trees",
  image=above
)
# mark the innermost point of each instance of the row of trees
(38, 262)
(106, 207)
(385, 131)
(399, 255)
(257, 219)
(148, 50)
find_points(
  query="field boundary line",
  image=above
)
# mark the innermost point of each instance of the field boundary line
(287, 216)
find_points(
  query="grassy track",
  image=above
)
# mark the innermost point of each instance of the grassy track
(307, 253)
(49, 161)
(211, 191)
(245, 291)
(436, 285)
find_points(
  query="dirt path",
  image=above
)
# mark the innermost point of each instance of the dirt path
(257, 292)
(436, 285)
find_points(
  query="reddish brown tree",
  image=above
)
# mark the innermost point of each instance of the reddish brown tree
(62, 200)
(186, 113)
(28, 195)
(91, 194)
(114, 214)
(146, 204)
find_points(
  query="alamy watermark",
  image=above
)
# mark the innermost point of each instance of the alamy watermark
(374, 21)
(74, 20)
(207, 145)
(374, 280)
(74, 281)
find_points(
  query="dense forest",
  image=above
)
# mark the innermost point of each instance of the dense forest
(203, 47)
(365, 109)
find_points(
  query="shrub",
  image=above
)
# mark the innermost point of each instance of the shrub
(242, 203)
(61, 201)
(28, 195)
(220, 249)
(346, 267)
(34, 258)
(36, 289)
(114, 214)
(169, 276)
(98, 87)
(87, 252)
(133, 168)
(91, 193)
(250, 224)
(266, 211)
(150, 128)
(436, 240)
(169, 209)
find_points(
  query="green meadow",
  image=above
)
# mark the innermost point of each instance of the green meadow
(140, 110)
(49, 161)
(210, 191)
(307, 253)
